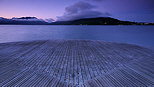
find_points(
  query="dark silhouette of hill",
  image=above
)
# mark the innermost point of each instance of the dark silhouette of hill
(84, 21)
(95, 21)
(25, 18)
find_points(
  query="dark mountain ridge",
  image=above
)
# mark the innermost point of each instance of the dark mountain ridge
(95, 21)
(25, 18)
(22, 21)
(84, 21)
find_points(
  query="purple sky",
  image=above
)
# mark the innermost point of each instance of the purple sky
(133, 10)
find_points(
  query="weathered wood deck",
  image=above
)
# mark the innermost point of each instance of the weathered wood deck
(60, 63)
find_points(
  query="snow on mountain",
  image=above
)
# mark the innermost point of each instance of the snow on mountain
(27, 19)
(50, 20)
(2, 18)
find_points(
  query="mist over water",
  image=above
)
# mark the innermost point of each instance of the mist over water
(139, 35)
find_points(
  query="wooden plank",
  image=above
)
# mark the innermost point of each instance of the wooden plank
(75, 63)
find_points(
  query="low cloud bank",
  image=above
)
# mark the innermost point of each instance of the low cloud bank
(81, 10)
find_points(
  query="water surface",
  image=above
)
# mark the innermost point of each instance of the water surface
(140, 35)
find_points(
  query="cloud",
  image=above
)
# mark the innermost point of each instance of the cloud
(77, 7)
(96, 0)
(81, 10)
(50, 20)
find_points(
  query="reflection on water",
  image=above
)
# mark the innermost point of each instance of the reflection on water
(140, 35)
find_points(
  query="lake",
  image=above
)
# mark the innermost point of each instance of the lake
(139, 35)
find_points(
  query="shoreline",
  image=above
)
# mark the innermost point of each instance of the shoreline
(79, 63)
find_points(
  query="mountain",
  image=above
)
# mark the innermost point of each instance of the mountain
(23, 21)
(1, 18)
(85, 21)
(96, 21)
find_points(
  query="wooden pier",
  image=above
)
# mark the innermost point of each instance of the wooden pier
(75, 63)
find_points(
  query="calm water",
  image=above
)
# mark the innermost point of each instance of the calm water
(140, 35)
